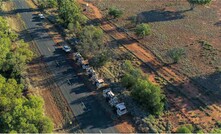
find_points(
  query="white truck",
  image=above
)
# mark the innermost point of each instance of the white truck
(66, 48)
(76, 56)
(85, 64)
(114, 102)
(121, 109)
(99, 83)
(90, 71)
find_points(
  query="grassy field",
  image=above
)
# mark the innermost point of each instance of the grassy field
(175, 26)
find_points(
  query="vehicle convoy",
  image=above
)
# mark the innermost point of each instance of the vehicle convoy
(100, 83)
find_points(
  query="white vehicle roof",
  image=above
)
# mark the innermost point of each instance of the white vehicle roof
(110, 93)
(85, 62)
(66, 47)
(77, 54)
(121, 106)
(100, 80)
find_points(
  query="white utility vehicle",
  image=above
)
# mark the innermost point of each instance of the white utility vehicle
(85, 64)
(66, 48)
(99, 83)
(110, 97)
(107, 93)
(76, 56)
(41, 16)
(121, 109)
(90, 71)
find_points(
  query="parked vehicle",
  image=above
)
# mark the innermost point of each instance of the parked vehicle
(90, 71)
(66, 48)
(76, 56)
(41, 16)
(99, 83)
(79, 60)
(85, 64)
(107, 93)
(113, 101)
(121, 109)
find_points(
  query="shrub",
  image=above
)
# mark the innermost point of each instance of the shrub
(91, 39)
(116, 13)
(143, 30)
(176, 54)
(193, 3)
(100, 59)
(185, 129)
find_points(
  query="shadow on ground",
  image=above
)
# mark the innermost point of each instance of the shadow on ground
(159, 16)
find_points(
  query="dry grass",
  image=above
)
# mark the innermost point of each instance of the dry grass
(12, 19)
(174, 25)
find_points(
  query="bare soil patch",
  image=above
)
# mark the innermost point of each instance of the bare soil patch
(37, 76)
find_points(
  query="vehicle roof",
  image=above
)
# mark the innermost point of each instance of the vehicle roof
(110, 93)
(121, 106)
(66, 46)
(85, 62)
(100, 80)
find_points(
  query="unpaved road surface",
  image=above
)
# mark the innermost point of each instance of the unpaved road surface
(88, 111)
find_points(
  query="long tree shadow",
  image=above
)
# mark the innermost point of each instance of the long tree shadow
(159, 15)
(211, 83)
(13, 12)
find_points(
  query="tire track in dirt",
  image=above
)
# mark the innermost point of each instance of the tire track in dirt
(195, 106)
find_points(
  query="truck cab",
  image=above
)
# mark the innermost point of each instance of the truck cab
(85, 64)
(121, 109)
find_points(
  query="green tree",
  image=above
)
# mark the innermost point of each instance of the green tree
(176, 54)
(114, 12)
(142, 90)
(142, 30)
(17, 59)
(100, 59)
(20, 114)
(128, 80)
(149, 96)
(216, 130)
(185, 129)
(48, 3)
(70, 12)
(193, 3)
(91, 39)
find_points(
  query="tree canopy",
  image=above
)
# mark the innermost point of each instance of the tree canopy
(91, 40)
(143, 30)
(70, 12)
(18, 113)
(146, 93)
